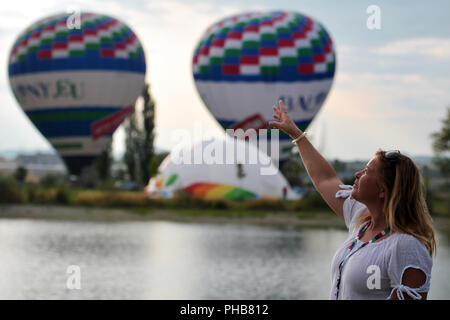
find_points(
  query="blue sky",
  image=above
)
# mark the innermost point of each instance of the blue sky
(391, 89)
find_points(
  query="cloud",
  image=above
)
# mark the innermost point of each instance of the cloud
(390, 95)
(380, 95)
(370, 110)
(438, 48)
(370, 77)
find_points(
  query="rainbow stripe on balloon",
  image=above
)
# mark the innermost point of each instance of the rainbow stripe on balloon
(218, 191)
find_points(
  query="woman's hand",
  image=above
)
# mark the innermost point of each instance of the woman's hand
(284, 122)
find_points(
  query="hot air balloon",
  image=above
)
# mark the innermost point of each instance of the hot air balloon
(245, 63)
(77, 83)
(220, 178)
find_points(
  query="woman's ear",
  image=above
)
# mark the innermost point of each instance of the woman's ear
(381, 194)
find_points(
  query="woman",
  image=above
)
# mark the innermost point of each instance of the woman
(391, 239)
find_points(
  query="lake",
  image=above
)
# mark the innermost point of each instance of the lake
(169, 260)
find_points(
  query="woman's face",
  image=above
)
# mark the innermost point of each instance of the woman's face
(365, 188)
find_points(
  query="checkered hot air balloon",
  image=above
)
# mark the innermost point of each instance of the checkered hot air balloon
(77, 83)
(245, 63)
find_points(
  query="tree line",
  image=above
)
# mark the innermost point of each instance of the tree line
(142, 161)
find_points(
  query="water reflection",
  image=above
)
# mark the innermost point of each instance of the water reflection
(164, 260)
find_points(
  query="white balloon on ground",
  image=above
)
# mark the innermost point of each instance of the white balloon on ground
(210, 170)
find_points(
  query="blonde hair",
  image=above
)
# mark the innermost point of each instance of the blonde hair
(404, 204)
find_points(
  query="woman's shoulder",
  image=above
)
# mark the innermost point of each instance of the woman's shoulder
(406, 251)
(406, 244)
(405, 239)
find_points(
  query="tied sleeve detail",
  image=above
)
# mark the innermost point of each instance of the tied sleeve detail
(412, 292)
(408, 253)
(345, 192)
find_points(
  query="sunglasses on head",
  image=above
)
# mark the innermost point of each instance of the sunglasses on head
(393, 155)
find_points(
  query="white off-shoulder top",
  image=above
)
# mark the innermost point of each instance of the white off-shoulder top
(376, 270)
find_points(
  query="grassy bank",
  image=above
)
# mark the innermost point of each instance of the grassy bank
(138, 203)
(262, 218)
(10, 193)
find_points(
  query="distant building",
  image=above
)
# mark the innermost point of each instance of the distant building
(38, 165)
(7, 166)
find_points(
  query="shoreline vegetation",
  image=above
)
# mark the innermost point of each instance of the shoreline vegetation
(322, 219)
(113, 206)
(272, 218)
(65, 203)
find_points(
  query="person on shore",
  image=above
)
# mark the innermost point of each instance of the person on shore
(390, 244)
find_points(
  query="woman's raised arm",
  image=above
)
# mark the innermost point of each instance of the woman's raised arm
(322, 174)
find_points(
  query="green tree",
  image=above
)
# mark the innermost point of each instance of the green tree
(139, 150)
(293, 170)
(20, 174)
(338, 165)
(426, 187)
(148, 152)
(49, 180)
(131, 145)
(153, 167)
(441, 148)
(103, 164)
(161, 156)
(9, 190)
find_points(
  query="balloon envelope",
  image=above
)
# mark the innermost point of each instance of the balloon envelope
(245, 63)
(77, 78)
(219, 176)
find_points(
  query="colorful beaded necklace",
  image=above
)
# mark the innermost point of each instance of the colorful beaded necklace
(349, 251)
